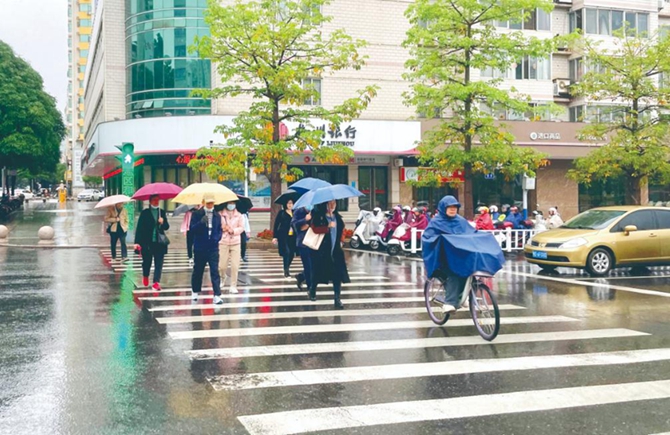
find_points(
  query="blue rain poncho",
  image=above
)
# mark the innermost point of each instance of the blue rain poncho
(454, 243)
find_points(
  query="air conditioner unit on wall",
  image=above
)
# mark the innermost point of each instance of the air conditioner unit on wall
(397, 163)
(561, 87)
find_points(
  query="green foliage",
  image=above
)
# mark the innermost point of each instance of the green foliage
(449, 40)
(265, 49)
(90, 180)
(634, 135)
(31, 128)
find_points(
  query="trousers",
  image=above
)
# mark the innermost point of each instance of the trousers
(202, 258)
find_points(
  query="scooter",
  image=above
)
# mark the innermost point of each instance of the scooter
(396, 246)
(366, 231)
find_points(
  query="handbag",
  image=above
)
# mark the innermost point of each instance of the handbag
(161, 238)
(319, 229)
(313, 240)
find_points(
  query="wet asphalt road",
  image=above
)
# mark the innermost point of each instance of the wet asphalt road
(84, 350)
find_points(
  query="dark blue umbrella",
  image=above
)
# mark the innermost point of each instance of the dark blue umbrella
(289, 195)
(325, 194)
(307, 184)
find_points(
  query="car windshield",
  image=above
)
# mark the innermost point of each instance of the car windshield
(593, 219)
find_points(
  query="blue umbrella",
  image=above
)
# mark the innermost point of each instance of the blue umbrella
(325, 194)
(307, 184)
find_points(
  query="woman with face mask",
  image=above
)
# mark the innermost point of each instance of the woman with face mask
(152, 222)
(328, 263)
(232, 223)
(117, 218)
(284, 236)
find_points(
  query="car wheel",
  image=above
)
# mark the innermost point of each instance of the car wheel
(599, 262)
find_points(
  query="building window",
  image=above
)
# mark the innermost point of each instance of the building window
(83, 53)
(84, 23)
(536, 20)
(607, 21)
(85, 38)
(576, 70)
(595, 113)
(532, 68)
(82, 68)
(315, 85)
(85, 7)
(536, 112)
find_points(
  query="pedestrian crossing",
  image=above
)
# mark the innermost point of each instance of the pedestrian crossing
(382, 362)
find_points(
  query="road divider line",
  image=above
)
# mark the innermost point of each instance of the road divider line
(338, 418)
(352, 327)
(304, 314)
(293, 378)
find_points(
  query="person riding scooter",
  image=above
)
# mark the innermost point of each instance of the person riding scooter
(420, 222)
(484, 221)
(393, 223)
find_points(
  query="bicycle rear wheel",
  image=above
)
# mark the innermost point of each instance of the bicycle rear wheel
(484, 310)
(434, 294)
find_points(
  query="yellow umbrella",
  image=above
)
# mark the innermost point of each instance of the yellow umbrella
(195, 193)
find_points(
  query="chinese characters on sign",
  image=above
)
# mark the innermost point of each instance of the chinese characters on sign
(336, 135)
(184, 159)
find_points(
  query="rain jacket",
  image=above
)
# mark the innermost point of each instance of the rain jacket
(452, 243)
(393, 223)
(516, 219)
(484, 222)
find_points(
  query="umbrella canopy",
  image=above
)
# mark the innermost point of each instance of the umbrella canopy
(113, 200)
(196, 193)
(307, 184)
(244, 204)
(163, 190)
(289, 195)
(325, 194)
(182, 209)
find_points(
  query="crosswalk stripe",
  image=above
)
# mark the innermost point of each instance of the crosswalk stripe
(414, 343)
(353, 278)
(306, 314)
(278, 295)
(350, 327)
(255, 275)
(285, 303)
(293, 378)
(187, 267)
(323, 419)
(402, 284)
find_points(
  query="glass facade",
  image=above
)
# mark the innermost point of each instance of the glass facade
(161, 73)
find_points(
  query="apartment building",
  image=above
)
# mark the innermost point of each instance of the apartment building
(140, 77)
(80, 15)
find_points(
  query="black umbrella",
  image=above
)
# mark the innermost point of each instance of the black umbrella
(243, 204)
(182, 209)
(289, 195)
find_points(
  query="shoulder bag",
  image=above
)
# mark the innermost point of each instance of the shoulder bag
(161, 238)
(313, 239)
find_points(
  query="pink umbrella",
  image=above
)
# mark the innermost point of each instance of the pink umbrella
(163, 190)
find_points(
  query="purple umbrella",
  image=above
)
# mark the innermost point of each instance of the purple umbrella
(163, 190)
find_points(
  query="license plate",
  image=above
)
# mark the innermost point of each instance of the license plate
(540, 254)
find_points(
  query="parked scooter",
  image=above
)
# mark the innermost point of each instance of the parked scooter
(367, 231)
(396, 245)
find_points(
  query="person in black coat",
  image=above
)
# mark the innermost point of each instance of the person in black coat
(284, 236)
(152, 221)
(207, 231)
(300, 223)
(328, 263)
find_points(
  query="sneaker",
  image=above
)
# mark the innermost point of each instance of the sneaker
(190, 262)
(233, 290)
(217, 300)
(194, 296)
(446, 308)
(145, 281)
(301, 280)
(157, 287)
(124, 259)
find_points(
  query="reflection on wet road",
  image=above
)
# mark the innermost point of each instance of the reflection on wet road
(85, 349)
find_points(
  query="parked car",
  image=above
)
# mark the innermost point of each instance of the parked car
(27, 194)
(90, 195)
(601, 239)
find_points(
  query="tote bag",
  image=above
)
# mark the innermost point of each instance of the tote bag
(313, 240)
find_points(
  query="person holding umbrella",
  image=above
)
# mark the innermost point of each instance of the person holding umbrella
(300, 223)
(206, 228)
(229, 247)
(117, 218)
(284, 236)
(150, 240)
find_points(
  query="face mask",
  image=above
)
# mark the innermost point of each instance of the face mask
(230, 207)
(154, 207)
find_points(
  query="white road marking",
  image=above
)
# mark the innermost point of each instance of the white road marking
(282, 294)
(414, 343)
(305, 303)
(322, 419)
(255, 275)
(350, 327)
(305, 314)
(338, 375)
(353, 278)
(401, 284)
(588, 284)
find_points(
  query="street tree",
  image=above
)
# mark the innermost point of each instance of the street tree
(31, 128)
(628, 88)
(273, 52)
(448, 42)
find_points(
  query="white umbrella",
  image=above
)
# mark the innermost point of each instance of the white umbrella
(113, 200)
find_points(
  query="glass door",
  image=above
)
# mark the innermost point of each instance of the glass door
(373, 182)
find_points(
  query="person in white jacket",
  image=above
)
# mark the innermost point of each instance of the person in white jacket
(555, 220)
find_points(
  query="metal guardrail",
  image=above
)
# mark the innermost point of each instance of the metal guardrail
(509, 240)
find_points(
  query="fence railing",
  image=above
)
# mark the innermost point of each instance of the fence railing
(509, 240)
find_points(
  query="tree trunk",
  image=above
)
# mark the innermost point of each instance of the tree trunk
(275, 191)
(467, 200)
(637, 191)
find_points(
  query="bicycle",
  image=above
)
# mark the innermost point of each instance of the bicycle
(482, 303)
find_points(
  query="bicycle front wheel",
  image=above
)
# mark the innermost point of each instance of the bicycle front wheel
(484, 310)
(434, 293)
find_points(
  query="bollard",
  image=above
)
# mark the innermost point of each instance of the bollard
(46, 235)
(4, 232)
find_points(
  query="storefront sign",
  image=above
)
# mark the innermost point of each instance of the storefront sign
(357, 160)
(534, 135)
(184, 159)
(409, 174)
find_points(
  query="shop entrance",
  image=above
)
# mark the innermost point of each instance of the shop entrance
(373, 182)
